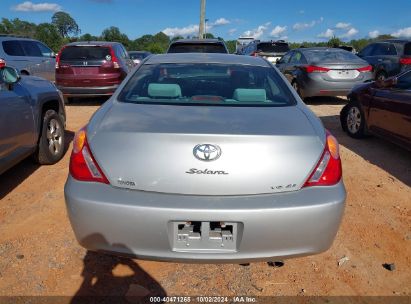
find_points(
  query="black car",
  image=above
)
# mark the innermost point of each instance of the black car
(381, 108)
(270, 50)
(32, 119)
(198, 46)
(388, 58)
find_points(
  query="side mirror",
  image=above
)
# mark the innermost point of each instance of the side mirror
(53, 55)
(9, 75)
(387, 83)
(278, 61)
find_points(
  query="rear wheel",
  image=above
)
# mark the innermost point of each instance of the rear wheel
(51, 143)
(353, 120)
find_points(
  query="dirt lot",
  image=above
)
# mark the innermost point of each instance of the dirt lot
(40, 256)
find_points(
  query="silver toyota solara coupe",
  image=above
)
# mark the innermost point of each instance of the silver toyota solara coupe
(205, 158)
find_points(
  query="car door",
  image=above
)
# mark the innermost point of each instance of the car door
(367, 54)
(125, 56)
(33, 54)
(17, 126)
(282, 63)
(48, 64)
(292, 68)
(386, 59)
(14, 55)
(390, 111)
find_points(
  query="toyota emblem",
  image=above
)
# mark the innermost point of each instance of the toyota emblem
(207, 152)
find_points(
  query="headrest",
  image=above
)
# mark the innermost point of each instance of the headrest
(164, 90)
(250, 95)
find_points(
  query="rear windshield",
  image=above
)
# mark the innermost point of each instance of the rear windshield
(268, 47)
(85, 53)
(197, 48)
(407, 49)
(330, 56)
(207, 84)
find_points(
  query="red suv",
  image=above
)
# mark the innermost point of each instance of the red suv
(86, 69)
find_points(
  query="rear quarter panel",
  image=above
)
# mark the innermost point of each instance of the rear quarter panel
(40, 92)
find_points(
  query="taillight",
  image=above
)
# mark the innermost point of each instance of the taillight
(405, 60)
(2, 63)
(83, 166)
(58, 58)
(328, 171)
(315, 69)
(58, 61)
(114, 59)
(367, 68)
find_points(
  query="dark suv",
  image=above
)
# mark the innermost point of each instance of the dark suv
(32, 119)
(198, 46)
(270, 50)
(388, 57)
(91, 68)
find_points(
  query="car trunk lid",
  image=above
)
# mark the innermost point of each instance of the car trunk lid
(342, 71)
(150, 148)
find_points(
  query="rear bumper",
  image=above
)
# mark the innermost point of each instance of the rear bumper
(87, 91)
(314, 85)
(137, 223)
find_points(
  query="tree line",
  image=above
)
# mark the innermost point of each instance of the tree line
(64, 29)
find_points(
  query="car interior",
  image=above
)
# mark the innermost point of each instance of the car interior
(221, 85)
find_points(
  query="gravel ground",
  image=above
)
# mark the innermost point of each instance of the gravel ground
(40, 256)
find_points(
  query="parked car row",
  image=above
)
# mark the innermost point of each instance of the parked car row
(229, 178)
(381, 108)
(81, 69)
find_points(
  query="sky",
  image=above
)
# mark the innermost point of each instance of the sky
(295, 20)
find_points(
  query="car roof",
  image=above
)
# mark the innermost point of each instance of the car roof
(197, 41)
(139, 52)
(11, 37)
(85, 43)
(395, 40)
(269, 41)
(320, 48)
(218, 58)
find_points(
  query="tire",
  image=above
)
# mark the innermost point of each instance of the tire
(353, 121)
(381, 75)
(50, 147)
(24, 73)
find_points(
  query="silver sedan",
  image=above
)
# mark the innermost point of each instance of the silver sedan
(205, 158)
(324, 71)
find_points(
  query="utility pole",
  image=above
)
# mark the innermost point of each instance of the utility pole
(205, 31)
(202, 19)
